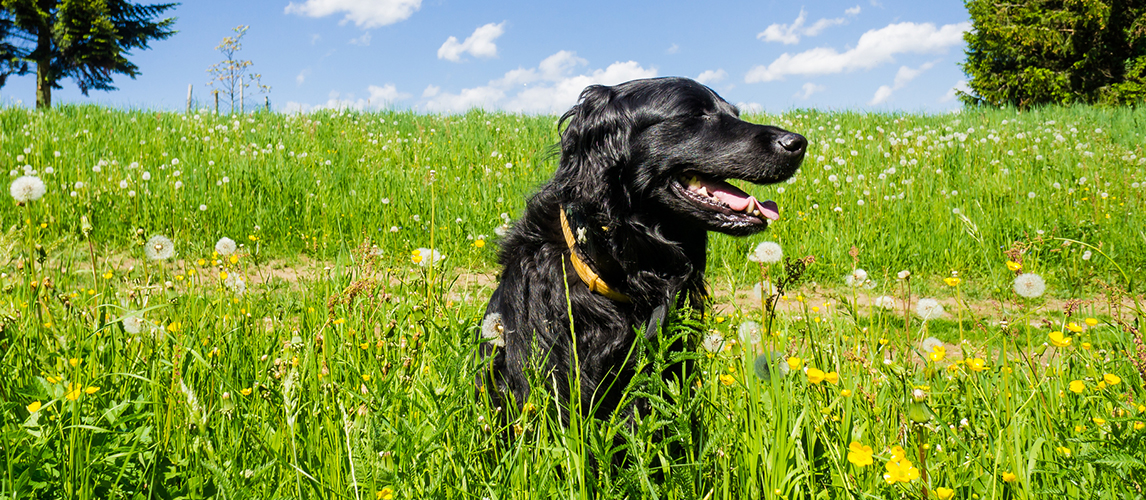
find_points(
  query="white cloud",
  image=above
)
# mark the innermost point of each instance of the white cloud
(363, 13)
(808, 89)
(380, 97)
(673, 49)
(789, 34)
(479, 44)
(854, 11)
(711, 76)
(750, 107)
(363, 40)
(551, 87)
(902, 78)
(874, 48)
(961, 85)
(315, 38)
(302, 76)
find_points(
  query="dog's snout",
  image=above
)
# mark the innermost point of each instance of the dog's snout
(793, 143)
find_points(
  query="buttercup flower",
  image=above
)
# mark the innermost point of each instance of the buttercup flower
(944, 493)
(859, 455)
(426, 257)
(1010, 477)
(1076, 386)
(899, 469)
(976, 364)
(816, 375)
(1111, 379)
(1014, 266)
(1057, 339)
(768, 252)
(795, 363)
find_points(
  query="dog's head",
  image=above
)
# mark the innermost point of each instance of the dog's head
(664, 148)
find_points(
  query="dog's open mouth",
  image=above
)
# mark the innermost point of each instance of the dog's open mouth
(716, 195)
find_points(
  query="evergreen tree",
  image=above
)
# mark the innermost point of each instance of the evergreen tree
(86, 40)
(1030, 52)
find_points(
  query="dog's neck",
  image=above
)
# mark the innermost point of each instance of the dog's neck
(635, 256)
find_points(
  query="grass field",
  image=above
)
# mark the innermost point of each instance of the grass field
(330, 354)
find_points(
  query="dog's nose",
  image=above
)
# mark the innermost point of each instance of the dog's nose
(793, 143)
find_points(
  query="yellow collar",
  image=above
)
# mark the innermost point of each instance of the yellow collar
(596, 284)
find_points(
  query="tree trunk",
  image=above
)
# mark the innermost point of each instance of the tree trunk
(44, 77)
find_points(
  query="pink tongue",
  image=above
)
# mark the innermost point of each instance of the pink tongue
(742, 202)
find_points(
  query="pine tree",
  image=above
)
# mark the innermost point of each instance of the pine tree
(86, 40)
(1029, 52)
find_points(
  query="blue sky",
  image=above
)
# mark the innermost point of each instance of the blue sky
(536, 56)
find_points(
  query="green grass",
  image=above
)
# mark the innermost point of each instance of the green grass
(343, 369)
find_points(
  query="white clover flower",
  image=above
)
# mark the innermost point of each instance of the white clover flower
(493, 330)
(27, 188)
(225, 246)
(1029, 285)
(159, 247)
(929, 309)
(767, 252)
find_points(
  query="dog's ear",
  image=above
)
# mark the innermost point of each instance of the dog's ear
(594, 148)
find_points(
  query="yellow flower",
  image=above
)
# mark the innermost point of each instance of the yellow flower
(937, 353)
(245, 392)
(859, 455)
(946, 493)
(1091, 322)
(479, 243)
(727, 379)
(816, 375)
(1014, 266)
(899, 469)
(222, 275)
(795, 363)
(91, 389)
(34, 407)
(1076, 386)
(1058, 340)
(976, 364)
(1111, 379)
(386, 493)
(846, 393)
(1139, 426)
(75, 362)
(832, 378)
(1099, 420)
(952, 281)
(1010, 477)
(73, 392)
(201, 262)
(1064, 450)
(1072, 326)
(234, 259)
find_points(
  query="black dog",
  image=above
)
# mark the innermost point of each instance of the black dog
(620, 233)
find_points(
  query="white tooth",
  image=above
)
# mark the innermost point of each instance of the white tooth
(703, 191)
(756, 212)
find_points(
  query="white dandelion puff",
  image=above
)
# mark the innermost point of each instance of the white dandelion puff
(713, 342)
(767, 290)
(235, 283)
(1030, 285)
(1086, 255)
(929, 344)
(159, 247)
(767, 252)
(884, 302)
(27, 188)
(493, 330)
(427, 257)
(225, 246)
(856, 278)
(134, 324)
(749, 332)
(929, 309)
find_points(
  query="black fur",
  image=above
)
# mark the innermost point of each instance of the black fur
(624, 152)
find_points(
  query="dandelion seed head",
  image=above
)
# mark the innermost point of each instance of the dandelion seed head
(27, 188)
(929, 308)
(767, 252)
(159, 247)
(749, 332)
(493, 330)
(1029, 285)
(225, 246)
(713, 342)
